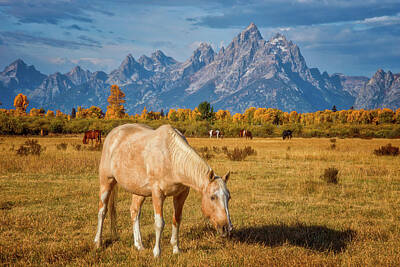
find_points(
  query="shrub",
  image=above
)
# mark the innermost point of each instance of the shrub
(249, 151)
(56, 126)
(332, 140)
(387, 150)
(62, 146)
(202, 149)
(330, 176)
(333, 146)
(206, 155)
(238, 154)
(30, 147)
(77, 147)
(205, 152)
(216, 149)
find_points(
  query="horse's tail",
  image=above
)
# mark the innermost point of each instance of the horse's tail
(84, 139)
(112, 211)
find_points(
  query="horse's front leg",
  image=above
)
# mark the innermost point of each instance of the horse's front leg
(136, 207)
(179, 200)
(158, 201)
(106, 186)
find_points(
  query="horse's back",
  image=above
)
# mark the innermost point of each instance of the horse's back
(136, 156)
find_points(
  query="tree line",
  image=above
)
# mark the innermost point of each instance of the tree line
(270, 120)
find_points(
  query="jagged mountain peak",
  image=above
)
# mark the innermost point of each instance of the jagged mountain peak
(78, 75)
(280, 41)
(204, 48)
(128, 59)
(17, 66)
(158, 54)
(163, 59)
(202, 56)
(77, 70)
(251, 33)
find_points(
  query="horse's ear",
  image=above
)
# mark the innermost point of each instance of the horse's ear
(226, 176)
(211, 175)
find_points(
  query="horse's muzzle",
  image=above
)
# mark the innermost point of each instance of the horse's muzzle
(225, 230)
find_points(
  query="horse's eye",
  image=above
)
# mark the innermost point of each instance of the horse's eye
(213, 197)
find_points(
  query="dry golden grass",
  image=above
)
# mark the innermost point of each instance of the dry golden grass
(283, 213)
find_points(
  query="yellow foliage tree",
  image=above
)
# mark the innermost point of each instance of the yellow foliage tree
(172, 115)
(144, 116)
(50, 113)
(195, 115)
(115, 109)
(294, 117)
(237, 117)
(34, 112)
(223, 115)
(59, 113)
(249, 114)
(20, 103)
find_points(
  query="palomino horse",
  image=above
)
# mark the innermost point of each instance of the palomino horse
(216, 133)
(92, 135)
(158, 163)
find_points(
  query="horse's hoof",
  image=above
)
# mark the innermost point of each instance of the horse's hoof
(156, 252)
(139, 248)
(97, 244)
(176, 250)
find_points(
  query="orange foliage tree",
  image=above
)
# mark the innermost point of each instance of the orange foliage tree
(20, 103)
(115, 109)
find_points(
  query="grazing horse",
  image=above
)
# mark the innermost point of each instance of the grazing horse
(287, 134)
(242, 133)
(216, 133)
(248, 134)
(92, 135)
(158, 163)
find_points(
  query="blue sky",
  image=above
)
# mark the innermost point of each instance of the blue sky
(351, 37)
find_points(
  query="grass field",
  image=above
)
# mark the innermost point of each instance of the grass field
(283, 213)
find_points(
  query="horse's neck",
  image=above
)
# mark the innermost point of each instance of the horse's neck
(192, 169)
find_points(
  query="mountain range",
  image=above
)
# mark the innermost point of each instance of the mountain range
(249, 72)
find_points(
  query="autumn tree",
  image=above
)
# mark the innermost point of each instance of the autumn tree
(223, 115)
(20, 103)
(50, 114)
(115, 109)
(172, 116)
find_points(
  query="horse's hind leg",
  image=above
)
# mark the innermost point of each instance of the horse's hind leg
(136, 207)
(106, 187)
(179, 200)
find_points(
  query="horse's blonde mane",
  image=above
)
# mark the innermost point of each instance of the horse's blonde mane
(186, 159)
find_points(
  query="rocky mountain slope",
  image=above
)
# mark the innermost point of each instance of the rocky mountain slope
(250, 71)
(382, 90)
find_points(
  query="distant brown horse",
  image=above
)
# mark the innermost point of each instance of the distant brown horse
(92, 135)
(245, 133)
(248, 134)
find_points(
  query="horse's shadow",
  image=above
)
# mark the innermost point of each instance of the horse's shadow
(314, 237)
(318, 238)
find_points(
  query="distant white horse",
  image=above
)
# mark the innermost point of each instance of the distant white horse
(158, 163)
(214, 133)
